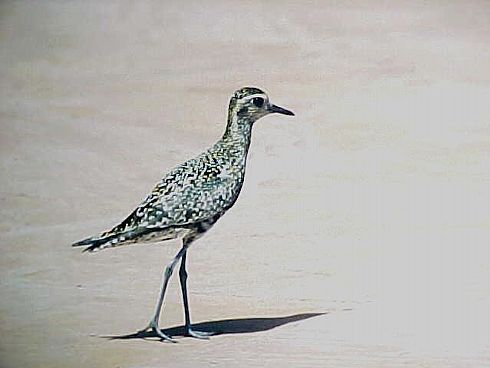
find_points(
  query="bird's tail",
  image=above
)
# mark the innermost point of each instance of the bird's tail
(123, 233)
(112, 238)
(96, 243)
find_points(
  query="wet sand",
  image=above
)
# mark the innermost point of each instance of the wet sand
(361, 236)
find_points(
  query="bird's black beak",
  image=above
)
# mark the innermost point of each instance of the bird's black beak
(280, 110)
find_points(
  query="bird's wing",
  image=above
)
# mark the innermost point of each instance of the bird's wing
(193, 192)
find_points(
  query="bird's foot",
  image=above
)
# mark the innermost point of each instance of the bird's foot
(197, 334)
(153, 326)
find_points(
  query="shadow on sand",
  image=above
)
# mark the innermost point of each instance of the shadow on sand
(223, 327)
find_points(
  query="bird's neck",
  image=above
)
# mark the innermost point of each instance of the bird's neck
(238, 130)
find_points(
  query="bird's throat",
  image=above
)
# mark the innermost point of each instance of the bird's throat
(238, 128)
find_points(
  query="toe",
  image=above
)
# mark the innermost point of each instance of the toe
(164, 337)
(198, 334)
(154, 327)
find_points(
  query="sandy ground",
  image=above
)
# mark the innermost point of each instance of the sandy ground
(361, 237)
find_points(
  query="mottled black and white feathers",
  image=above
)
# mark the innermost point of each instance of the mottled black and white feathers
(193, 196)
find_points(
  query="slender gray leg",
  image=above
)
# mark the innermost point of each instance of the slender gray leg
(183, 284)
(166, 277)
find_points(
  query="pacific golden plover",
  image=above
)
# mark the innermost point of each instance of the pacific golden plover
(192, 197)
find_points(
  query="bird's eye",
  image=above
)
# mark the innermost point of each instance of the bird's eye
(258, 101)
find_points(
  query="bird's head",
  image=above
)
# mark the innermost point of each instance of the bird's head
(250, 104)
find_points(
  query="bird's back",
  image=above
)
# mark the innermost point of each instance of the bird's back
(198, 191)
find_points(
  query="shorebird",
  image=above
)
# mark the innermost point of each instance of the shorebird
(189, 200)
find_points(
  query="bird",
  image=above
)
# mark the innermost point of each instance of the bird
(191, 198)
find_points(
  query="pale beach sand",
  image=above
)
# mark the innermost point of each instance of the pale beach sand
(371, 207)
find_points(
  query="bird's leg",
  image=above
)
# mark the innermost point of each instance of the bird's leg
(183, 284)
(166, 277)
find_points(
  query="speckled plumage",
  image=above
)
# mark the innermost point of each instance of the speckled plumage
(193, 196)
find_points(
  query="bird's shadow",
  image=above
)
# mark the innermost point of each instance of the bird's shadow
(224, 327)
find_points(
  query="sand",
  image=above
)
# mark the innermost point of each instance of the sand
(362, 234)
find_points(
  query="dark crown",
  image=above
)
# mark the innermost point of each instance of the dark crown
(246, 91)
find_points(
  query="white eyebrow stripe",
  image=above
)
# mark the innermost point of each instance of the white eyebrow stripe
(261, 95)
